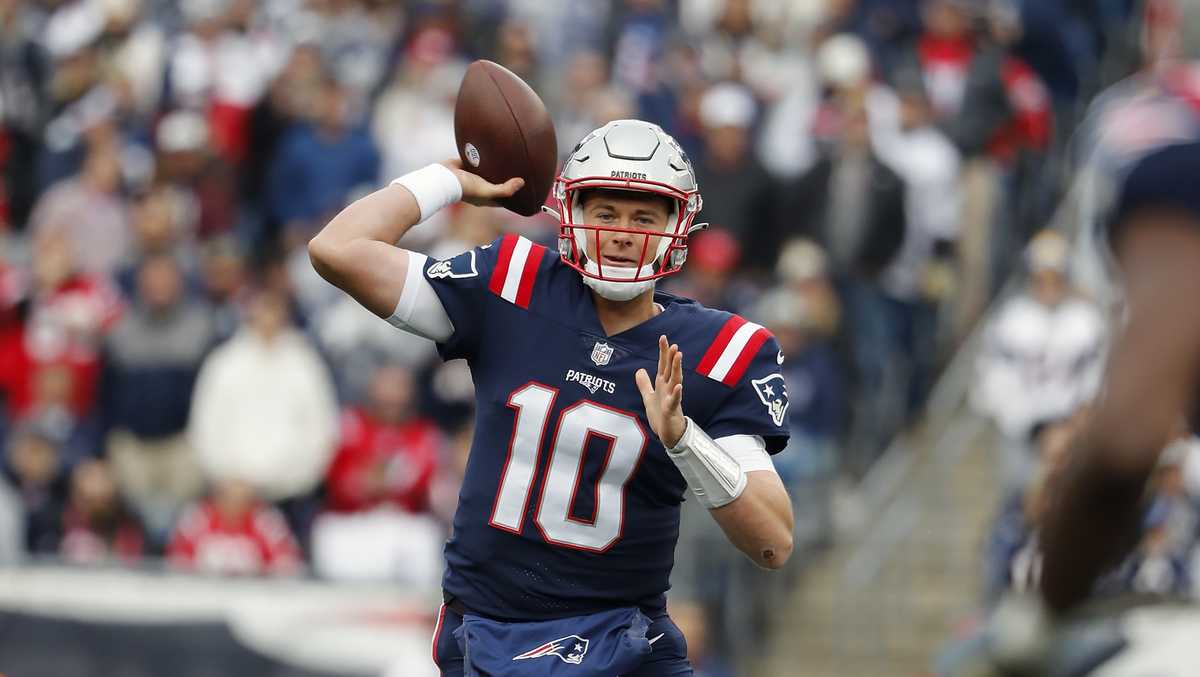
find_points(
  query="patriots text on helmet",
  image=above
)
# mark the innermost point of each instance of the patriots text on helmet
(627, 175)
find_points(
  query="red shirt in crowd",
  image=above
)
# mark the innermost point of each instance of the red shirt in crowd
(946, 63)
(257, 542)
(381, 463)
(85, 542)
(65, 328)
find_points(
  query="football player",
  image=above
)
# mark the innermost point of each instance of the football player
(600, 402)
(1149, 146)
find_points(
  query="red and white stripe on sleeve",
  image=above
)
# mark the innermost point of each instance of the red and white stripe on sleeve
(516, 270)
(732, 350)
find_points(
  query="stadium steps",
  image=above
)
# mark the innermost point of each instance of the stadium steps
(895, 587)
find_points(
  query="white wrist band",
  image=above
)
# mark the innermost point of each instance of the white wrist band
(434, 186)
(715, 477)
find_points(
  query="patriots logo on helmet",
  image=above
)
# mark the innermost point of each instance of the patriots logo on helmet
(570, 649)
(772, 392)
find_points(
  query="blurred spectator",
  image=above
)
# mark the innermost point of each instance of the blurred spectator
(1012, 558)
(288, 100)
(234, 533)
(356, 343)
(693, 621)
(356, 39)
(710, 276)
(918, 279)
(51, 409)
(224, 282)
(813, 379)
(803, 268)
(152, 358)
(988, 100)
(377, 526)
(136, 53)
(81, 106)
(640, 28)
(585, 73)
(34, 466)
(69, 314)
(158, 230)
(97, 529)
(855, 207)
(738, 192)
(903, 136)
(884, 25)
(215, 67)
(1164, 562)
(1041, 358)
(516, 49)
(1160, 563)
(561, 29)
(322, 165)
(850, 201)
(413, 119)
(388, 453)
(24, 79)
(199, 183)
(90, 212)
(263, 411)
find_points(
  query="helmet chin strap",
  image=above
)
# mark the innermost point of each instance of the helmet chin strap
(618, 291)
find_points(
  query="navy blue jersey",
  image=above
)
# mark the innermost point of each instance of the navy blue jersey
(1143, 144)
(570, 504)
(1147, 145)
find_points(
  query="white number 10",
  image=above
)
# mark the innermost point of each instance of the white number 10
(576, 426)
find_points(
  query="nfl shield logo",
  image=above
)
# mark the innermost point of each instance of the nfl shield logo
(601, 353)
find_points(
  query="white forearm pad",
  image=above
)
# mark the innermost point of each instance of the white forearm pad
(434, 186)
(716, 478)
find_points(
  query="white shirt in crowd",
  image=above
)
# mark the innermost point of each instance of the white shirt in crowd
(1039, 362)
(265, 413)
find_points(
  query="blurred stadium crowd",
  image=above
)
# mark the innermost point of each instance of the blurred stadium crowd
(176, 380)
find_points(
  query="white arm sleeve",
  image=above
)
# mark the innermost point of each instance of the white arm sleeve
(749, 450)
(419, 311)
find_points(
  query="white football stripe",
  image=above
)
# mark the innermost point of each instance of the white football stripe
(733, 350)
(516, 267)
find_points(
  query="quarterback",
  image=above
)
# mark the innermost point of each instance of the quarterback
(600, 403)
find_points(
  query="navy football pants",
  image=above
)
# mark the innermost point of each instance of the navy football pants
(668, 658)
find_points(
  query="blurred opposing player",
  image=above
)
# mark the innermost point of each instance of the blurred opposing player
(1149, 150)
(600, 401)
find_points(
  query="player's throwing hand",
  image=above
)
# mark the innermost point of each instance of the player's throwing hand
(478, 191)
(664, 398)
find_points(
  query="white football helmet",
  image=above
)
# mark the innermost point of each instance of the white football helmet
(636, 156)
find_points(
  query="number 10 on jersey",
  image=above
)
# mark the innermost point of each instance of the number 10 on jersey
(576, 425)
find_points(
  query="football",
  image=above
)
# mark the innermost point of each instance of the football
(503, 130)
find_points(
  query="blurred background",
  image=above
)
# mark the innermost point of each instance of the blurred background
(214, 463)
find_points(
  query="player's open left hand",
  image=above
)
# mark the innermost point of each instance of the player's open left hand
(664, 397)
(477, 191)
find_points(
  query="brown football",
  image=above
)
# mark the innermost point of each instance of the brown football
(503, 130)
